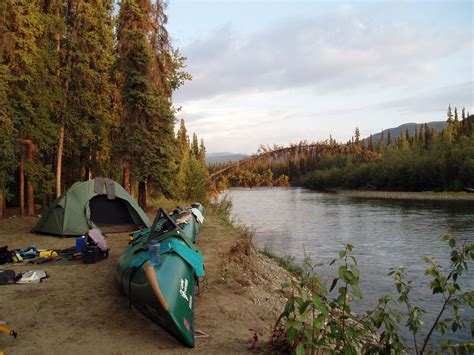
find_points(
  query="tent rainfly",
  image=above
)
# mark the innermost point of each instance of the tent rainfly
(98, 203)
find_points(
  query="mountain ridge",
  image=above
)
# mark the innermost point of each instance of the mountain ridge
(224, 157)
(411, 127)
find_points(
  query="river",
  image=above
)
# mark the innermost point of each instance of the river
(384, 233)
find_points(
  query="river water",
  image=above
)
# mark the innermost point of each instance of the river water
(384, 233)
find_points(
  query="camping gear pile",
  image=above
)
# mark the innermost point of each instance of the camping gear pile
(31, 253)
(163, 287)
(91, 247)
(158, 271)
(26, 277)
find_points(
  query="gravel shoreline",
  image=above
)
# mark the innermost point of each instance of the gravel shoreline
(398, 195)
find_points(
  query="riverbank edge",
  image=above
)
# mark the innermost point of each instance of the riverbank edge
(407, 195)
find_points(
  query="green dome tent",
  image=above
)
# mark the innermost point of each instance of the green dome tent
(98, 203)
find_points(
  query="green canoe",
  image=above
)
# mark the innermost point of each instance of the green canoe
(165, 293)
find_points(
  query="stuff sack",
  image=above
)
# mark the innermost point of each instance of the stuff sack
(96, 247)
(7, 277)
(28, 277)
(5, 255)
(96, 237)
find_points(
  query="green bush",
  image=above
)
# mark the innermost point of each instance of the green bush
(314, 321)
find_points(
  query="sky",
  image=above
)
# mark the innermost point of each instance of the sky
(278, 72)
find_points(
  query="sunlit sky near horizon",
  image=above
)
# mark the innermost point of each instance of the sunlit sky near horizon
(277, 72)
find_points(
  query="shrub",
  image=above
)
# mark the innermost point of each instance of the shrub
(313, 321)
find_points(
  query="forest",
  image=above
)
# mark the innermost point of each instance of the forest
(427, 160)
(86, 90)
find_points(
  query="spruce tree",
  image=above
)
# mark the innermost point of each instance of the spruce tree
(370, 144)
(147, 71)
(202, 152)
(357, 135)
(8, 154)
(182, 138)
(29, 95)
(86, 116)
(449, 115)
(427, 138)
(195, 146)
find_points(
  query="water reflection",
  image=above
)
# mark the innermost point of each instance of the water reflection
(385, 234)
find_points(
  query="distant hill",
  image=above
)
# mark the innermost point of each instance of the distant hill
(216, 158)
(395, 132)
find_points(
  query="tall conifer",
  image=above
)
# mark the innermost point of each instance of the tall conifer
(28, 81)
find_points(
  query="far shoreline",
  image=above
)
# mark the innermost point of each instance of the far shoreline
(406, 195)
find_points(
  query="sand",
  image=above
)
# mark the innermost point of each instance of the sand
(403, 195)
(79, 309)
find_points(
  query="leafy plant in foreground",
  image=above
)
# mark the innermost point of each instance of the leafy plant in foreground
(312, 321)
(445, 284)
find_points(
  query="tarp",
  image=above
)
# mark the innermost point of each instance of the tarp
(81, 208)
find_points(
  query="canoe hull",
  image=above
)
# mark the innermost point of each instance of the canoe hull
(164, 293)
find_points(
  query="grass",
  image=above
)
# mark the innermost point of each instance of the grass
(287, 262)
(447, 193)
(167, 205)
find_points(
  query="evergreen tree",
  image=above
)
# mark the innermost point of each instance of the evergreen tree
(202, 152)
(182, 138)
(402, 141)
(8, 161)
(389, 138)
(147, 144)
(195, 146)
(449, 115)
(370, 144)
(87, 115)
(357, 135)
(427, 138)
(29, 95)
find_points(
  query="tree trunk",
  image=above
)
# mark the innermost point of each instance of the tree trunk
(44, 201)
(126, 178)
(2, 203)
(133, 191)
(142, 194)
(30, 203)
(89, 173)
(22, 183)
(61, 129)
(59, 161)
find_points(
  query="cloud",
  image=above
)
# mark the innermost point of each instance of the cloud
(327, 54)
(437, 100)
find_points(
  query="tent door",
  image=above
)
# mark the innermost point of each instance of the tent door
(110, 213)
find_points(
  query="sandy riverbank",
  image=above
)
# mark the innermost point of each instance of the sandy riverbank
(79, 308)
(434, 196)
